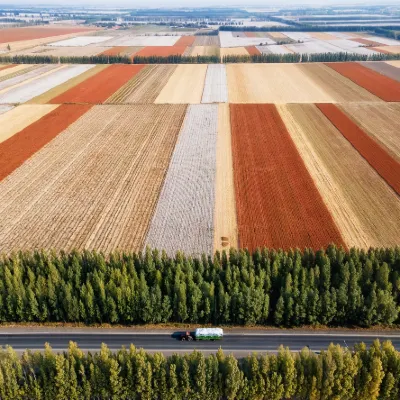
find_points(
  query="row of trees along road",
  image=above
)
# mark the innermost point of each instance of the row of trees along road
(337, 373)
(267, 287)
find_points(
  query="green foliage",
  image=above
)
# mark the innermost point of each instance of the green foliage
(335, 373)
(268, 287)
(176, 59)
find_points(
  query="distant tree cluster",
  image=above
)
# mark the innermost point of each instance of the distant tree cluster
(268, 287)
(298, 27)
(336, 373)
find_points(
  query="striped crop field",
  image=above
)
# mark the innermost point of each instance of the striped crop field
(198, 157)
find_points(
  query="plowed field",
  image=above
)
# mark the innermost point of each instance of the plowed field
(161, 51)
(185, 41)
(364, 207)
(145, 86)
(17, 70)
(185, 85)
(386, 166)
(18, 148)
(204, 51)
(367, 42)
(383, 68)
(114, 51)
(206, 41)
(385, 88)
(95, 185)
(253, 51)
(380, 121)
(99, 87)
(277, 202)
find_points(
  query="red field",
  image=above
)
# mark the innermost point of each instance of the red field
(250, 34)
(185, 41)
(277, 202)
(18, 148)
(16, 34)
(99, 87)
(379, 85)
(114, 51)
(368, 42)
(252, 50)
(386, 166)
(161, 51)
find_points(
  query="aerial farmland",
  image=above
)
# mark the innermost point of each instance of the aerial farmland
(197, 157)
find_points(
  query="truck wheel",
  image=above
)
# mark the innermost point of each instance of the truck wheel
(183, 339)
(190, 338)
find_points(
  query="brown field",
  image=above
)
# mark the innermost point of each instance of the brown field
(322, 36)
(339, 88)
(94, 186)
(368, 42)
(277, 35)
(9, 35)
(130, 51)
(204, 51)
(363, 206)
(185, 41)
(185, 86)
(161, 51)
(395, 63)
(272, 83)
(206, 41)
(380, 121)
(20, 117)
(252, 50)
(60, 89)
(114, 51)
(388, 49)
(250, 34)
(5, 67)
(145, 86)
(380, 50)
(225, 224)
(233, 51)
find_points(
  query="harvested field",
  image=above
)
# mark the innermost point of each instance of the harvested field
(385, 88)
(272, 83)
(225, 235)
(228, 40)
(215, 86)
(20, 117)
(384, 69)
(184, 217)
(80, 41)
(233, 51)
(16, 71)
(303, 36)
(5, 108)
(161, 51)
(58, 90)
(185, 85)
(253, 50)
(380, 121)
(204, 51)
(385, 165)
(102, 178)
(21, 146)
(389, 49)
(275, 49)
(339, 88)
(145, 86)
(277, 35)
(143, 41)
(351, 46)
(28, 90)
(277, 202)
(114, 51)
(77, 51)
(312, 47)
(4, 67)
(251, 34)
(130, 51)
(380, 50)
(26, 75)
(18, 34)
(364, 208)
(8, 69)
(322, 36)
(384, 40)
(99, 87)
(368, 42)
(206, 41)
(185, 41)
(395, 63)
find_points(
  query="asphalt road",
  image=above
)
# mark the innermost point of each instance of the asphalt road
(239, 344)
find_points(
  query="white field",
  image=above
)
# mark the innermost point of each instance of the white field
(143, 41)
(8, 83)
(4, 108)
(274, 49)
(298, 35)
(41, 85)
(80, 41)
(314, 46)
(215, 86)
(351, 47)
(184, 217)
(384, 40)
(228, 40)
(343, 35)
(63, 51)
(12, 70)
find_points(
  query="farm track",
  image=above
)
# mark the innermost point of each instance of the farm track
(145, 86)
(18, 148)
(277, 202)
(381, 86)
(206, 41)
(338, 87)
(20, 117)
(215, 86)
(380, 121)
(185, 85)
(225, 235)
(161, 51)
(95, 185)
(184, 217)
(272, 83)
(58, 90)
(386, 166)
(363, 206)
(99, 87)
(383, 68)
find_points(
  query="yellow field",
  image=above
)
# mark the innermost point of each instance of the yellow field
(233, 51)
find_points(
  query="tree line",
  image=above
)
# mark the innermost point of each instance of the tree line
(176, 59)
(268, 287)
(336, 373)
(296, 27)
